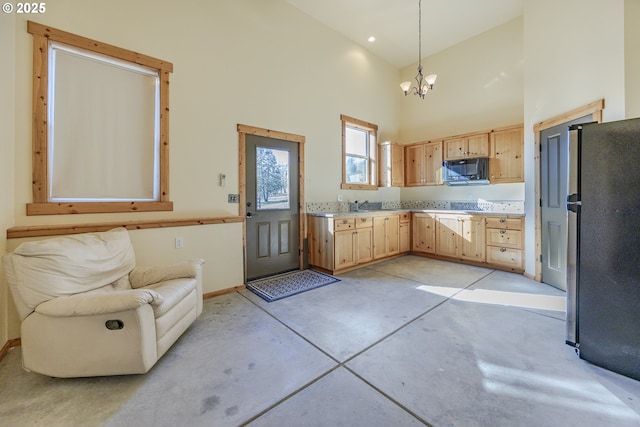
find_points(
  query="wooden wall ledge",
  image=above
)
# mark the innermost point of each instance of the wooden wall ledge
(57, 230)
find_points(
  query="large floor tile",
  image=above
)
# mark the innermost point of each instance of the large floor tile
(245, 362)
(348, 316)
(339, 399)
(469, 364)
(231, 364)
(507, 289)
(432, 271)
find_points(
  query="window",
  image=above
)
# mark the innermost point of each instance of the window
(358, 154)
(100, 137)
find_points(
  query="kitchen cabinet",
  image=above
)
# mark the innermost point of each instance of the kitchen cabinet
(424, 233)
(391, 161)
(405, 232)
(341, 243)
(506, 161)
(354, 246)
(460, 236)
(423, 164)
(466, 147)
(386, 235)
(505, 242)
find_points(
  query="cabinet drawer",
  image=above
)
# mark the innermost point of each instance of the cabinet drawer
(405, 216)
(364, 222)
(344, 224)
(504, 238)
(504, 222)
(504, 256)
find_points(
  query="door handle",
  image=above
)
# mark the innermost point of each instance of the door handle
(250, 215)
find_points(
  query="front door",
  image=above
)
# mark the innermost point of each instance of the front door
(554, 162)
(272, 206)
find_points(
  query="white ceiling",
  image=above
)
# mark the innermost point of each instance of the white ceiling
(394, 23)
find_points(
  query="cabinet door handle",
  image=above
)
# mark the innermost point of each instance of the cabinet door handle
(503, 249)
(502, 231)
(503, 220)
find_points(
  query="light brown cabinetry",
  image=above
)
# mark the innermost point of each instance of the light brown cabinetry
(423, 164)
(405, 232)
(465, 147)
(391, 161)
(386, 235)
(338, 244)
(460, 236)
(505, 242)
(353, 245)
(506, 163)
(424, 233)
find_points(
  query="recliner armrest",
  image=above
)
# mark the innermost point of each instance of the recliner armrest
(145, 276)
(88, 304)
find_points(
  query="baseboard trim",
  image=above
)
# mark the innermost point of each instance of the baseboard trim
(15, 342)
(223, 292)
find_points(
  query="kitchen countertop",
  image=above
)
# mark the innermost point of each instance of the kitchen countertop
(384, 211)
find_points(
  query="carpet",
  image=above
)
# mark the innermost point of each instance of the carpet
(285, 285)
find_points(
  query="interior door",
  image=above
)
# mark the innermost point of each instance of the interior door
(272, 197)
(554, 164)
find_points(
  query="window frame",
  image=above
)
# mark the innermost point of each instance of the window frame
(372, 151)
(42, 205)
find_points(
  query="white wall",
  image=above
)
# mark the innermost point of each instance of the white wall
(479, 87)
(259, 63)
(632, 58)
(7, 136)
(574, 55)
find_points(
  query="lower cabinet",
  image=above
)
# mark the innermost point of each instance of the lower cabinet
(424, 233)
(505, 242)
(494, 241)
(460, 236)
(386, 235)
(405, 232)
(341, 243)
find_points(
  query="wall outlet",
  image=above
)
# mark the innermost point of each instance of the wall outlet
(179, 242)
(234, 198)
(339, 197)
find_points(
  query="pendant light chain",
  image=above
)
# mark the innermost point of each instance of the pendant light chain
(424, 83)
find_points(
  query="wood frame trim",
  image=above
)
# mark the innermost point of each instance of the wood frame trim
(40, 174)
(15, 342)
(59, 230)
(371, 128)
(243, 131)
(595, 110)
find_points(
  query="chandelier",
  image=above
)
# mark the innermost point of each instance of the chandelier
(424, 83)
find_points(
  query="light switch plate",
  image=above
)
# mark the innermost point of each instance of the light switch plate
(234, 198)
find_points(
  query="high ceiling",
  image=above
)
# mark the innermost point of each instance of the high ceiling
(394, 23)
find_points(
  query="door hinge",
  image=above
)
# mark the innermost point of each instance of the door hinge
(540, 259)
(540, 202)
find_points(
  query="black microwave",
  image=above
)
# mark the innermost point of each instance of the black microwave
(466, 171)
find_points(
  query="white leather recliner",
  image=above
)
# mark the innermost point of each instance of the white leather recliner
(87, 310)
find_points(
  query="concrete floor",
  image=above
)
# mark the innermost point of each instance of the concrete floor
(411, 341)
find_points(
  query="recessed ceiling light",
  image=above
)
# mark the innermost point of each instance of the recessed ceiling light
(371, 39)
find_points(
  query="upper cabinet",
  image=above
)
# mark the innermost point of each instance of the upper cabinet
(423, 164)
(391, 161)
(465, 147)
(506, 162)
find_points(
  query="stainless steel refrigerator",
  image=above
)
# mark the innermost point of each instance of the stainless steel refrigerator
(603, 288)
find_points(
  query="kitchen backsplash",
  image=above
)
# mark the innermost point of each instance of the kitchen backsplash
(506, 206)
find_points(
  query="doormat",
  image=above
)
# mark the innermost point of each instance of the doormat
(287, 284)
